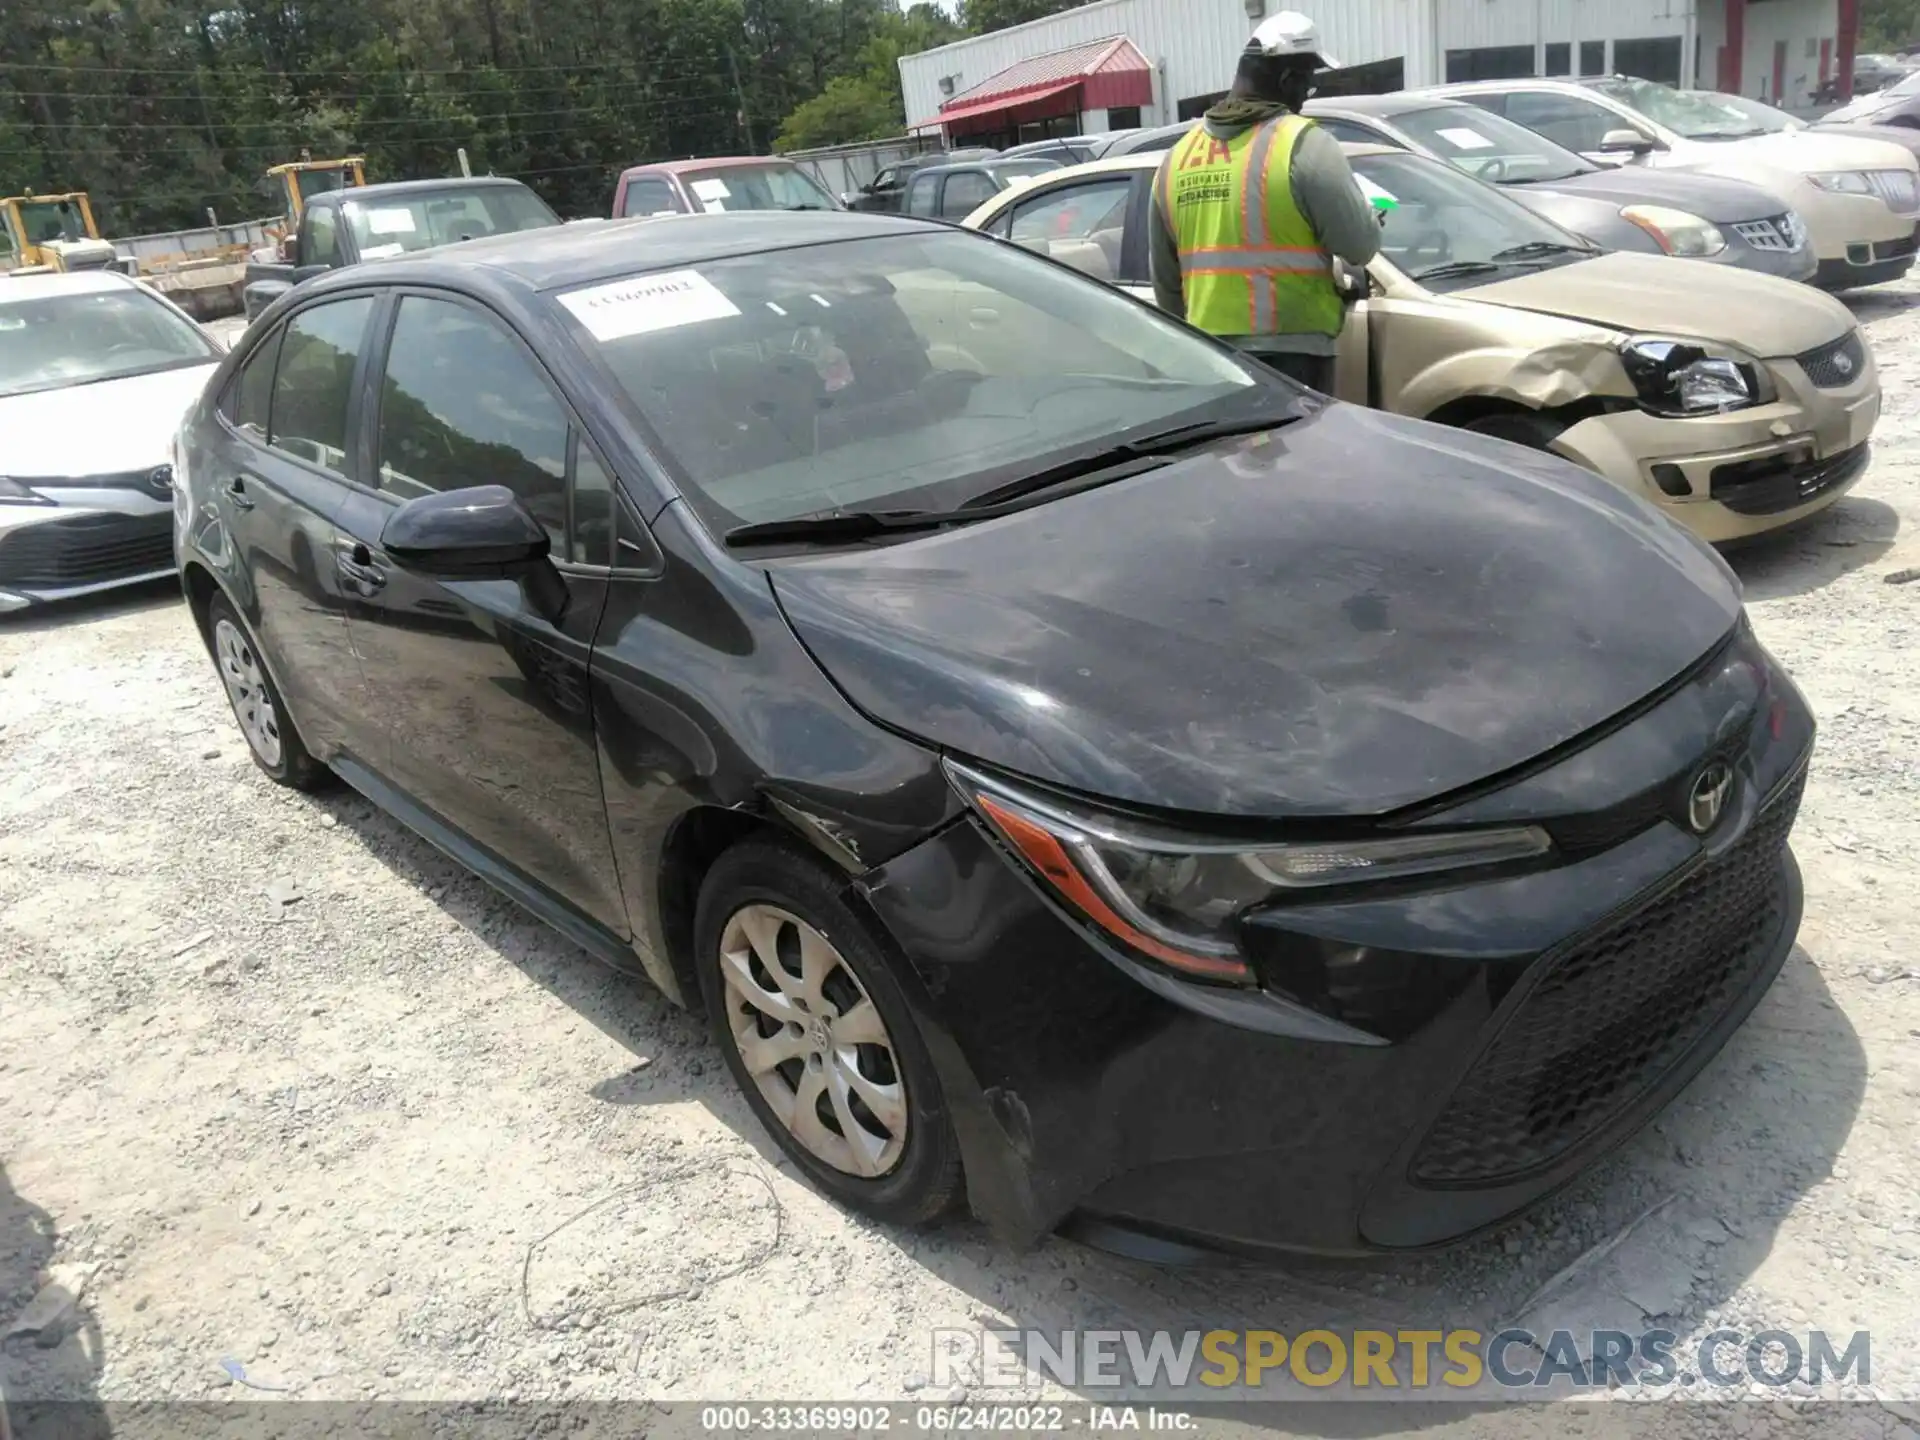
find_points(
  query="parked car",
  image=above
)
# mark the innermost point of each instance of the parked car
(1897, 104)
(339, 228)
(1874, 73)
(1700, 217)
(1070, 149)
(727, 183)
(948, 192)
(1150, 140)
(1737, 403)
(888, 190)
(1858, 197)
(923, 731)
(96, 371)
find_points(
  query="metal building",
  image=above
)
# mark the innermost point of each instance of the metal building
(1116, 63)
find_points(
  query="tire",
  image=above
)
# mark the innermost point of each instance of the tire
(272, 740)
(760, 899)
(1522, 427)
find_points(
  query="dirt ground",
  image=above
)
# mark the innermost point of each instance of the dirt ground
(397, 1139)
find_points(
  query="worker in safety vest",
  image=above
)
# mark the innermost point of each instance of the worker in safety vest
(1249, 206)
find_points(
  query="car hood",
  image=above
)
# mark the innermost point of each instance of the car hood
(99, 429)
(1721, 201)
(1344, 616)
(1802, 152)
(1761, 314)
(1899, 136)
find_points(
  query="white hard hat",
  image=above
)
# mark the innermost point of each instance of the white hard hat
(1290, 34)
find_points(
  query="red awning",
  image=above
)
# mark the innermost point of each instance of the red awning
(1107, 72)
(997, 104)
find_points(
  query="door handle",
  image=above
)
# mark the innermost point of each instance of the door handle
(237, 493)
(358, 570)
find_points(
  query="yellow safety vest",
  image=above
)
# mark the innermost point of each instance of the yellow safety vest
(1250, 263)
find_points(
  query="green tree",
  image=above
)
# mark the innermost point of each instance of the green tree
(982, 17)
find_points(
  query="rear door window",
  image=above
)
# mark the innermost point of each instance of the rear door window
(1079, 225)
(922, 193)
(313, 383)
(250, 397)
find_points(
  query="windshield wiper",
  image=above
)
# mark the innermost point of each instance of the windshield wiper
(1541, 250)
(840, 525)
(1147, 452)
(1453, 269)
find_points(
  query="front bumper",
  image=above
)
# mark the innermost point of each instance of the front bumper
(1859, 240)
(87, 542)
(1747, 472)
(1485, 1045)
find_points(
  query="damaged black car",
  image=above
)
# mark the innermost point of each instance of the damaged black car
(1082, 776)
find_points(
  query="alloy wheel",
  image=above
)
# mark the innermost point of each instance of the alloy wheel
(247, 688)
(813, 1041)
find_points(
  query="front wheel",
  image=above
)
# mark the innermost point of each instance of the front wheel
(820, 1037)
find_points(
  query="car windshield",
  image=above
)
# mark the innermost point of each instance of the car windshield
(1758, 112)
(1684, 112)
(1908, 84)
(396, 224)
(756, 187)
(1489, 147)
(904, 372)
(1447, 230)
(57, 340)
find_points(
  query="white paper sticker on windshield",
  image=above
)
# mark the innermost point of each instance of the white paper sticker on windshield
(1374, 193)
(381, 252)
(711, 189)
(1463, 139)
(648, 302)
(390, 222)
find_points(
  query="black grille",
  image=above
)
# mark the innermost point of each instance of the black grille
(86, 550)
(1894, 249)
(1780, 482)
(1835, 366)
(1609, 1017)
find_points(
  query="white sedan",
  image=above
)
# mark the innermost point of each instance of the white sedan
(96, 371)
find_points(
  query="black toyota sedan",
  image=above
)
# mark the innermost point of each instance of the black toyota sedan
(1079, 773)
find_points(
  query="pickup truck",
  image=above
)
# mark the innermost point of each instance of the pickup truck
(373, 222)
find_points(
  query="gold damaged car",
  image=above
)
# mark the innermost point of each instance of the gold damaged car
(1736, 402)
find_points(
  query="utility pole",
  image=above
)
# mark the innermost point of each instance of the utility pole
(741, 95)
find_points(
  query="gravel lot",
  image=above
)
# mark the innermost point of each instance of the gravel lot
(397, 1139)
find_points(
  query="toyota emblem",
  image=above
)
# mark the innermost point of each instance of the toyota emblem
(1709, 796)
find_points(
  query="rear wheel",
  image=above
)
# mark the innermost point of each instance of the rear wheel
(271, 739)
(819, 1035)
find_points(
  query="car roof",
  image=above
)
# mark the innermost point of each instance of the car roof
(992, 162)
(557, 257)
(1150, 160)
(713, 162)
(81, 282)
(1384, 107)
(401, 189)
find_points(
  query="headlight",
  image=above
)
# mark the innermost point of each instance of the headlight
(1680, 377)
(1843, 182)
(1678, 232)
(12, 492)
(1177, 899)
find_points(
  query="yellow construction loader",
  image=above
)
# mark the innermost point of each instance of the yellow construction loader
(54, 232)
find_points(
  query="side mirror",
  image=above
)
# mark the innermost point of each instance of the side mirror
(290, 250)
(1625, 141)
(482, 532)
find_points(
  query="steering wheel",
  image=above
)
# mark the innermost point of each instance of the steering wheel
(1430, 247)
(1494, 171)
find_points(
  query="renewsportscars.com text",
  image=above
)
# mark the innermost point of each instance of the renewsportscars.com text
(1380, 1361)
